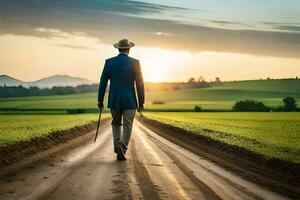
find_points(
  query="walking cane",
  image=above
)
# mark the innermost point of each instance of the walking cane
(140, 113)
(98, 125)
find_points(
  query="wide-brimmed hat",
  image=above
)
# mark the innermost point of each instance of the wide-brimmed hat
(124, 44)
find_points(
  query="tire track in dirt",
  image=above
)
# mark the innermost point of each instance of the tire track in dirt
(146, 185)
(208, 192)
(168, 179)
(73, 182)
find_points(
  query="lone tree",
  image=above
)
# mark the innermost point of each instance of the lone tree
(192, 80)
(197, 109)
(218, 80)
(201, 79)
(289, 104)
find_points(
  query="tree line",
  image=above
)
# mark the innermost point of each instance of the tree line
(20, 91)
(201, 79)
(289, 104)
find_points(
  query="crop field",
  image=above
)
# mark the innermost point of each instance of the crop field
(22, 118)
(87, 100)
(222, 97)
(15, 128)
(275, 135)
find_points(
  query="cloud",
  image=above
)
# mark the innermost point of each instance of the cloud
(59, 33)
(74, 46)
(289, 28)
(53, 32)
(225, 22)
(229, 24)
(158, 33)
(108, 21)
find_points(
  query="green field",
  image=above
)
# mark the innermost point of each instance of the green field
(271, 134)
(87, 100)
(275, 135)
(16, 128)
(271, 92)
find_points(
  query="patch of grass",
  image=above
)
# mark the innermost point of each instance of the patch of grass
(274, 135)
(15, 128)
(87, 100)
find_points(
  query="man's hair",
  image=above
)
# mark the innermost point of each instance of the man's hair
(124, 50)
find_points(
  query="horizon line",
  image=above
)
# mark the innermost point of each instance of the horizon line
(160, 82)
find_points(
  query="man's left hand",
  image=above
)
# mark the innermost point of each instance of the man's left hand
(100, 105)
(141, 107)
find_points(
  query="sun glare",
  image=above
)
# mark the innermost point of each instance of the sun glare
(159, 64)
(155, 70)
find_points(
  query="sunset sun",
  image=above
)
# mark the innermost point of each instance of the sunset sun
(158, 64)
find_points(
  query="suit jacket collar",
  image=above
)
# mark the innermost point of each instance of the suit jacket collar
(123, 54)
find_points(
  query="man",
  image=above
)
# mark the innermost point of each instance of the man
(124, 74)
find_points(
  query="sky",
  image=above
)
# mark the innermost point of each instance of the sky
(175, 40)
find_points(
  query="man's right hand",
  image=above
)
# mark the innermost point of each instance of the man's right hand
(100, 105)
(141, 107)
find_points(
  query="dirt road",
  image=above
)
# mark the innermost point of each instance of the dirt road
(155, 169)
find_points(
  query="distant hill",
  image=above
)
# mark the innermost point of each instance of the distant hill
(9, 81)
(48, 82)
(60, 80)
(273, 85)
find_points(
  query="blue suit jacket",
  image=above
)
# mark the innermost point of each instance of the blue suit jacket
(124, 73)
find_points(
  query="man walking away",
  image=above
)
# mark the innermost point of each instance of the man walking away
(124, 74)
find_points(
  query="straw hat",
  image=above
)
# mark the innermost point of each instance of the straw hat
(124, 44)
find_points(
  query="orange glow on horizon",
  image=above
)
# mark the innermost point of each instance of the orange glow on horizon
(30, 58)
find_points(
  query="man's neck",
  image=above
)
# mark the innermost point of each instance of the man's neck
(124, 53)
